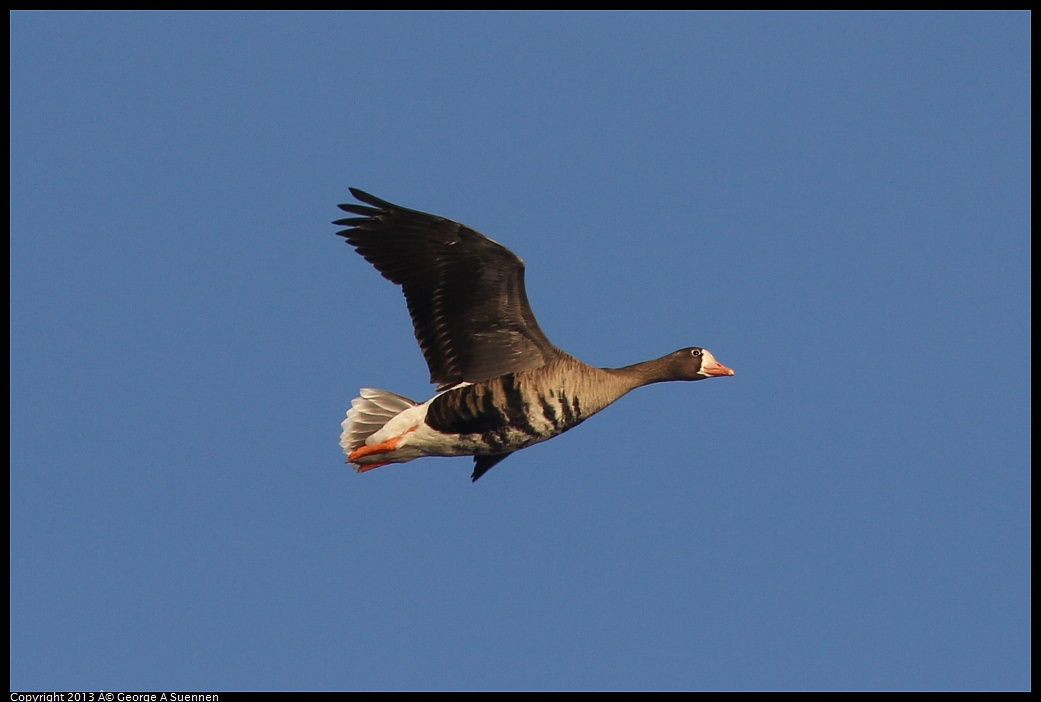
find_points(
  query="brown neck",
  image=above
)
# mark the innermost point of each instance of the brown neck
(657, 370)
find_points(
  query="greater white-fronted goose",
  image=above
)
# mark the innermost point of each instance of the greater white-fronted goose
(501, 384)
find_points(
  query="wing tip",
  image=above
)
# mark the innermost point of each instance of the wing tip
(370, 199)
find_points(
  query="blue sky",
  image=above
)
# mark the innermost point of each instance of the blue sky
(837, 205)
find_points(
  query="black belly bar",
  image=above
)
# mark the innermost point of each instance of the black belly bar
(502, 414)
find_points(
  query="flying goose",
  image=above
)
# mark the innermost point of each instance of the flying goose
(501, 384)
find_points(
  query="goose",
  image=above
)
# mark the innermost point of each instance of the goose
(501, 384)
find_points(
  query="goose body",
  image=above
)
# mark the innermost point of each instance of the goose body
(502, 385)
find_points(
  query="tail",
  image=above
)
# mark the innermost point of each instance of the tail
(368, 414)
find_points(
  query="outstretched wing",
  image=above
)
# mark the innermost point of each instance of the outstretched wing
(465, 292)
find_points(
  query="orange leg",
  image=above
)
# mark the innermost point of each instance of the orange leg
(382, 447)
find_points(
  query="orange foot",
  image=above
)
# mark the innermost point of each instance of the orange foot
(382, 447)
(370, 466)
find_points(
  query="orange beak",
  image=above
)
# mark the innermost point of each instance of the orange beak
(716, 368)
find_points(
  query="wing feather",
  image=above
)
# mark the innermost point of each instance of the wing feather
(465, 293)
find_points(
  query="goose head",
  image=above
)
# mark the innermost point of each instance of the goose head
(693, 363)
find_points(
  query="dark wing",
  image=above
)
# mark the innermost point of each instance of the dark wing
(483, 464)
(464, 291)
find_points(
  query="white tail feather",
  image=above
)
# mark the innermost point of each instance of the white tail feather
(368, 414)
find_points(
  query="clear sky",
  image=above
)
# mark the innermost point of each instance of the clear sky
(837, 205)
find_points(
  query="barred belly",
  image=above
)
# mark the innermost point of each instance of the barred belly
(504, 414)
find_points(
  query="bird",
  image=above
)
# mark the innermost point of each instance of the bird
(502, 385)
